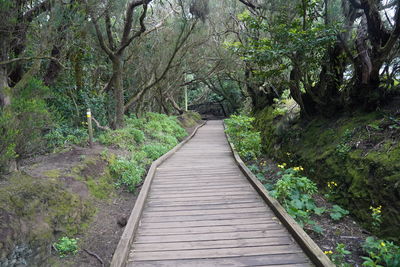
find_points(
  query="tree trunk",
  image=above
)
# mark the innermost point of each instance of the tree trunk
(54, 68)
(5, 99)
(324, 98)
(118, 91)
(259, 98)
(365, 91)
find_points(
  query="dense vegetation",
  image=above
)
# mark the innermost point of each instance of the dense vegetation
(319, 80)
(48, 201)
(297, 194)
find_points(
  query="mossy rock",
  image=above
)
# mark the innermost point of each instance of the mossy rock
(33, 211)
(363, 161)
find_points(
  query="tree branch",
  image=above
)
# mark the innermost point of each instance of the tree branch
(178, 46)
(125, 41)
(394, 36)
(100, 37)
(356, 4)
(249, 4)
(32, 58)
(35, 11)
(109, 32)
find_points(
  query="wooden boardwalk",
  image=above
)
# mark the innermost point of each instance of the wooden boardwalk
(202, 211)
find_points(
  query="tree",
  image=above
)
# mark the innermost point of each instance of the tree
(115, 49)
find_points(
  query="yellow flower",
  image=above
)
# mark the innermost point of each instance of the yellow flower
(332, 184)
(282, 166)
(382, 244)
(288, 154)
(377, 210)
(327, 252)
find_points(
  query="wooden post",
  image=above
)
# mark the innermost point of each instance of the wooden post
(90, 128)
(186, 99)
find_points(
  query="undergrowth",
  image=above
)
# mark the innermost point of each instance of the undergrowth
(146, 139)
(296, 194)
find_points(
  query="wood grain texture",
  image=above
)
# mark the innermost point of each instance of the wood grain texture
(201, 210)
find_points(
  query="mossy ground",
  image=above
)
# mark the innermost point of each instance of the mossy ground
(360, 152)
(70, 193)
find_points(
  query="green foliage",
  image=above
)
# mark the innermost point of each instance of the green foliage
(164, 124)
(64, 135)
(296, 192)
(381, 253)
(343, 148)
(66, 246)
(337, 212)
(273, 52)
(147, 139)
(369, 173)
(23, 123)
(338, 256)
(153, 128)
(376, 215)
(241, 132)
(7, 140)
(155, 150)
(128, 172)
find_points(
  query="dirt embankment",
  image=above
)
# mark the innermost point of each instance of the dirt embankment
(64, 194)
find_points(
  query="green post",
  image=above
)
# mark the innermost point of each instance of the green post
(90, 128)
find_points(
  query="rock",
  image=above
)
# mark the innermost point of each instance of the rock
(122, 221)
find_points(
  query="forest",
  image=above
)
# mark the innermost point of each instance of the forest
(312, 88)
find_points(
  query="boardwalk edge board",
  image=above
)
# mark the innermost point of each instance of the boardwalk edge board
(312, 250)
(122, 251)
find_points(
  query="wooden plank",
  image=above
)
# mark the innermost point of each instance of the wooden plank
(227, 222)
(200, 194)
(213, 253)
(228, 243)
(210, 229)
(189, 187)
(217, 206)
(213, 236)
(204, 187)
(146, 219)
(122, 250)
(293, 259)
(203, 202)
(204, 212)
(202, 198)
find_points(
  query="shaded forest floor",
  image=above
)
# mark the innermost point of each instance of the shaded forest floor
(70, 193)
(345, 231)
(102, 234)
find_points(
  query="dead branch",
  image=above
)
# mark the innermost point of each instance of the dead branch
(105, 128)
(94, 255)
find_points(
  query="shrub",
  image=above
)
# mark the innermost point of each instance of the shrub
(147, 139)
(66, 246)
(152, 128)
(381, 252)
(128, 172)
(24, 122)
(337, 212)
(154, 151)
(246, 140)
(296, 192)
(65, 135)
(7, 141)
